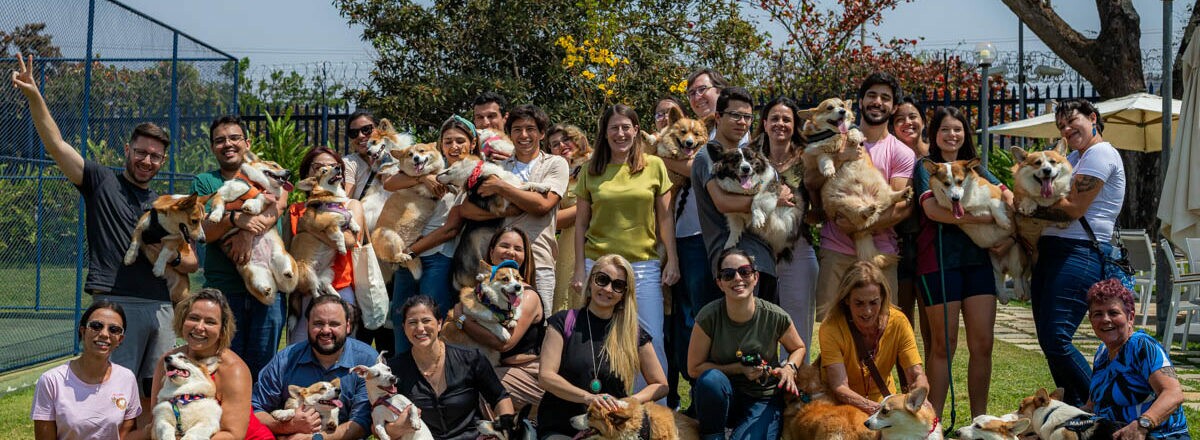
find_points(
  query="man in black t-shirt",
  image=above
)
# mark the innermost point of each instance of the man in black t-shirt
(114, 202)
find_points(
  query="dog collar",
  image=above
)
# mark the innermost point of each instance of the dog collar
(644, 433)
(384, 402)
(473, 179)
(808, 398)
(180, 400)
(337, 207)
(487, 144)
(820, 136)
(936, 422)
(501, 315)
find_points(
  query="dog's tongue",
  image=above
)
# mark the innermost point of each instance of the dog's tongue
(843, 126)
(287, 186)
(584, 434)
(746, 182)
(958, 210)
(1047, 188)
(172, 373)
(334, 402)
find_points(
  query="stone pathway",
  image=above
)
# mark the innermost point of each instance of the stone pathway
(1014, 324)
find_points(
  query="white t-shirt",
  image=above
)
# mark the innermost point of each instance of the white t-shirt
(1102, 162)
(85, 411)
(440, 212)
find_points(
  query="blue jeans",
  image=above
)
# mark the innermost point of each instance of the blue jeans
(694, 289)
(1065, 270)
(434, 283)
(259, 327)
(719, 406)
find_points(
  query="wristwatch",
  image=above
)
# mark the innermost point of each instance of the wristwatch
(462, 319)
(1144, 422)
(318, 436)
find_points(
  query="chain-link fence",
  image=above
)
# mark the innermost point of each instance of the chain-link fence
(103, 68)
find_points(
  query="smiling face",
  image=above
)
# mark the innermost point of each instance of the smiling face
(949, 137)
(560, 145)
(908, 125)
(780, 123)
(508, 247)
(526, 137)
(455, 144)
(662, 112)
(202, 327)
(740, 285)
(359, 142)
(702, 96)
(1111, 323)
(877, 104)
(143, 158)
(327, 328)
(865, 304)
(488, 116)
(421, 327)
(1076, 129)
(734, 122)
(229, 146)
(621, 133)
(102, 341)
(605, 297)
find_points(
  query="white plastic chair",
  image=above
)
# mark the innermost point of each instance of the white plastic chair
(1192, 248)
(1184, 289)
(1141, 257)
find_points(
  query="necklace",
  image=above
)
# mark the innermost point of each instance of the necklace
(595, 384)
(435, 366)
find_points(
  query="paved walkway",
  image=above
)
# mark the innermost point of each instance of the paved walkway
(1014, 324)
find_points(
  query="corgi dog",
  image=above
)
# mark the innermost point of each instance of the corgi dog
(406, 211)
(325, 215)
(634, 420)
(906, 416)
(679, 140)
(985, 427)
(383, 141)
(958, 187)
(247, 191)
(387, 403)
(816, 414)
(492, 142)
(324, 397)
(859, 193)
(746, 171)
(1053, 419)
(187, 405)
(494, 303)
(174, 221)
(824, 128)
(1040, 179)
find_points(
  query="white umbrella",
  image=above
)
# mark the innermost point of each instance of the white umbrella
(1179, 204)
(1131, 122)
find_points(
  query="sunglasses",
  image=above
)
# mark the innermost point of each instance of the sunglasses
(728, 273)
(602, 280)
(365, 130)
(98, 326)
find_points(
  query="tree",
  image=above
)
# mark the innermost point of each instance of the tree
(28, 39)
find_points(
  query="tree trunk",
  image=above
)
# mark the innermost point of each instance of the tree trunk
(1177, 70)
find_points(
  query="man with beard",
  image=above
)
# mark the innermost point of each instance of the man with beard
(876, 100)
(325, 356)
(114, 203)
(258, 325)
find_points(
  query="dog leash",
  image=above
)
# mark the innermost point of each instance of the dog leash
(176, 402)
(384, 402)
(945, 329)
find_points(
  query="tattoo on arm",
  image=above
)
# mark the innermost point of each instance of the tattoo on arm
(1087, 183)
(1052, 214)
(1170, 372)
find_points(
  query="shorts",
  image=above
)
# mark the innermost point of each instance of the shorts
(149, 334)
(961, 283)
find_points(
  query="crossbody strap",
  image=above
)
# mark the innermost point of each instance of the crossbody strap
(860, 346)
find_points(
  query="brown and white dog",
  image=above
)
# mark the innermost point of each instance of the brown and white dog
(174, 221)
(906, 416)
(817, 415)
(324, 397)
(407, 210)
(325, 215)
(634, 420)
(859, 193)
(1052, 419)
(985, 427)
(679, 140)
(825, 127)
(380, 145)
(187, 404)
(957, 186)
(1040, 179)
(494, 303)
(745, 171)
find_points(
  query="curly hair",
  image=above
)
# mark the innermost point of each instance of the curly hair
(1111, 290)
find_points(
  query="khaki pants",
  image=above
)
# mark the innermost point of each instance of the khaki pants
(832, 267)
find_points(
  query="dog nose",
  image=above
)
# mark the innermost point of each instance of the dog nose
(689, 143)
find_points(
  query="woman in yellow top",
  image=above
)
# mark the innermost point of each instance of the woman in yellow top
(864, 301)
(623, 195)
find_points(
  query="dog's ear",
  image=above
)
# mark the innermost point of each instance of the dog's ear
(386, 126)
(210, 364)
(807, 114)
(1057, 394)
(307, 184)
(186, 203)
(1060, 147)
(675, 114)
(337, 382)
(974, 163)
(915, 399)
(931, 167)
(616, 418)
(1018, 426)
(296, 391)
(1041, 394)
(382, 357)
(360, 370)
(250, 156)
(848, 104)
(1018, 153)
(484, 267)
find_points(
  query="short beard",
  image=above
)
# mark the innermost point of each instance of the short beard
(338, 343)
(882, 120)
(231, 167)
(129, 174)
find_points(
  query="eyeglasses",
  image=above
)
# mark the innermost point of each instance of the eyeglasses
(621, 128)
(658, 116)
(739, 116)
(113, 329)
(231, 138)
(727, 274)
(602, 280)
(693, 93)
(365, 130)
(139, 154)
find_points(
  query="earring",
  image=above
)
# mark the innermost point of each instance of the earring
(1094, 130)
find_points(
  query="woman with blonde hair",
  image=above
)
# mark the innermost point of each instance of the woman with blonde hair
(863, 337)
(592, 355)
(567, 141)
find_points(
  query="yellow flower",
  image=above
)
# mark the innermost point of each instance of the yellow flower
(587, 74)
(612, 78)
(608, 92)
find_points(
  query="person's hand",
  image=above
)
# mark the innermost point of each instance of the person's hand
(23, 79)
(498, 156)
(1130, 432)
(305, 421)
(871, 408)
(752, 373)
(849, 153)
(238, 246)
(605, 401)
(1002, 247)
(493, 186)
(785, 196)
(577, 281)
(787, 379)
(437, 188)
(401, 427)
(670, 273)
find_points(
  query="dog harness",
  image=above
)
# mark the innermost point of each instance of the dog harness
(1078, 424)
(155, 232)
(384, 402)
(487, 144)
(255, 190)
(473, 179)
(181, 400)
(337, 207)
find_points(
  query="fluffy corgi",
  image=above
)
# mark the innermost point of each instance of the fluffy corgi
(407, 210)
(325, 215)
(987, 427)
(859, 193)
(824, 127)
(187, 407)
(906, 416)
(679, 140)
(495, 303)
(957, 186)
(174, 221)
(1040, 178)
(247, 191)
(1055, 420)
(746, 171)
(322, 396)
(634, 420)
(383, 140)
(817, 415)
(386, 402)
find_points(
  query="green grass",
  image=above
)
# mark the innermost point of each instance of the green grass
(14, 415)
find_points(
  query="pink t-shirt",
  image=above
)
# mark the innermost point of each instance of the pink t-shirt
(893, 159)
(84, 411)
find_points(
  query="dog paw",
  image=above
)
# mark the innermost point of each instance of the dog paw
(828, 170)
(252, 206)
(159, 271)
(131, 256)
(758, 219)
(215, 215)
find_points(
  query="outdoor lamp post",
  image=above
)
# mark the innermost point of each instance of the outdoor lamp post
(985, 54)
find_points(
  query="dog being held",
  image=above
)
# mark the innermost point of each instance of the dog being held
(985, 427)
(1053, 419)
(906, 416)
(324, 397)
(407, 210)
(825, 128)
(492, 142)
(745, 171)
(187, 406)
(271, 268)
(958, 187)
(679, 140)
(817, 415)
(383, 140)
(860, 194)
(387, 403)
(634, 420)
(494, 303)
(1040, 179)
(507, 426)
(325, 216)
(174, 222)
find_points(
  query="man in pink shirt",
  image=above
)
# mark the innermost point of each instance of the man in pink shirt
(876, 97)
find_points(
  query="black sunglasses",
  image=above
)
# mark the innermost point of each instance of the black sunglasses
(728, 273)
(602, 279)
(365, 130)
(113, 329)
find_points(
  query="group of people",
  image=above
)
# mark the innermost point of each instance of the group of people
(601, 252)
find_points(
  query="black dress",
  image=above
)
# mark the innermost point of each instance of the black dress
(451, 415)
(576, 366)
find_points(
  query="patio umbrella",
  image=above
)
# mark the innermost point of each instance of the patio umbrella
(1130, 123)
(1179, 204)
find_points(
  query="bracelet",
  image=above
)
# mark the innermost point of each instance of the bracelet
(231, 216)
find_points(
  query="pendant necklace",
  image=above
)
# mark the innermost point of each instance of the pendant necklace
(595, 384)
